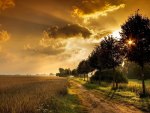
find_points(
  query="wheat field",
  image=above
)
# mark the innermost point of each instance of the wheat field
(26, 94)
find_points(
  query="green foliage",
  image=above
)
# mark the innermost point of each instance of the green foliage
(120, 77)
(132, 70)
(126, 93)
(91, 86)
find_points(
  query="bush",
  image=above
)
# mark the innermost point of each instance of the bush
(134, 71)
(107, 76)
(120, 77)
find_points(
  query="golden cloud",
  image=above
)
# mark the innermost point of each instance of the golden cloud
(89, 9)
(5, 4)
(4, 36)
(108, 8)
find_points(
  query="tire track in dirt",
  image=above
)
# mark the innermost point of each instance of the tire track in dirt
(95, 103)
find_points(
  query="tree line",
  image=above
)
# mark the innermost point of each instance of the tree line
(112, 52)
(66, 72)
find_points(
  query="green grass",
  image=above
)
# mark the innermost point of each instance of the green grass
(127, 93)
(147, 82)
(65, 104)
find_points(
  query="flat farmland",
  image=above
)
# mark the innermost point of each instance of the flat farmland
(29, 94)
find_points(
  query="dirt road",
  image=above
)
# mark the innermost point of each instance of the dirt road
(94, 102)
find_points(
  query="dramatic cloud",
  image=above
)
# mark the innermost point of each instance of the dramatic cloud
(68, 31)
(88, 9)
(5, 4)
(80, 26)
(4, 36)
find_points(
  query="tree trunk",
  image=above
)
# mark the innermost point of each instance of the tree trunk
(143, 80)
(116, 85)
(87, 78)
(99, 77)
(90, 77)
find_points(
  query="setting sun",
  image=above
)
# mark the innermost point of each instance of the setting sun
(130, 42)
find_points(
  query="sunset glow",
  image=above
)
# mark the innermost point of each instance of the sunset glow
(39, 36)
(116, 34)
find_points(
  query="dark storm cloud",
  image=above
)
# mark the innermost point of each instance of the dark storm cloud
(68, 31)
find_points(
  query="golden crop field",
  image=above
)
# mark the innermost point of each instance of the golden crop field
(25, 94)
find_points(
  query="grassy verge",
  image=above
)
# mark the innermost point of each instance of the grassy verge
(64, 104)
(128, 94)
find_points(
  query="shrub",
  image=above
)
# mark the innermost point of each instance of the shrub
(107, 76)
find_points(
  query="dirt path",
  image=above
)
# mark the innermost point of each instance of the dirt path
(95, 103)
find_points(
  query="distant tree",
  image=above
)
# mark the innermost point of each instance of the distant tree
(67, 71)
(74, 72)
(57, 74)
(84, 68)
(63, 72)
(81, 68)
(136, 40)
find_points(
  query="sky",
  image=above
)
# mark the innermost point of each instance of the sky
(40, 36)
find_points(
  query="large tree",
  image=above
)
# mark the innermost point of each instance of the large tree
(110, 53)
(106, 56)
(136, 40)
(94, 60)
